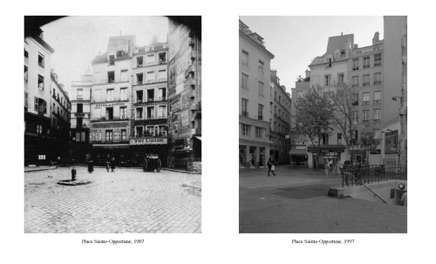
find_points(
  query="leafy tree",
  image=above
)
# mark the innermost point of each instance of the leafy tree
(369, 139)
(314, 116)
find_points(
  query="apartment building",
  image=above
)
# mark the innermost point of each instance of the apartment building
(184, 97)
(80, 117)
(110, 105)
(254, 99)
(280, 117)
(149, 131)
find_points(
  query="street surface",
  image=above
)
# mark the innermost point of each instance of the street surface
(125, 201)
(296, 201)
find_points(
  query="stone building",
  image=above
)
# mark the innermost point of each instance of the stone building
(254, 99)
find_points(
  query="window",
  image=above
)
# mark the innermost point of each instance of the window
(123, 94)
(377, 97)
(260, 88)
(354, 117)
(109, 136)
(124, 77)
(244, 58)
(355, 81)
(109, 113)
(377, 60)
(139, 61)
(149, 131)
(79, 108)
(260, 69)
(26, 98)
(150, 59)
(139, 77)
(366, 62)
(163, 94)
(162, 76)
(377, 78)
(162, 58)
(244, 107)
(41, 61)
(39, 129)
(150, 77)
(340, 78)
(150, 112)
(162, 130)
(245, 130)
(139, 96)
(109, 94)
(327, 79)
(41, 106)
(325, 139)
(111, 59)
(26, 74)
(79, 122)
(162, 111)
(339, 138)
(299, 95)
(354, 135)
(259, 132)
(365, 99)
(365, 115)
(150, 95)
(329, 63)
(139, 111)
(244, 81)
(123, 112)
(123, 135)
(139, 131)
(53, 109)
(377, 115)
(41, 157)
(26, 54)
(355, 64)
(365, 80)
(79, 93)
(111, 76)
(40, 82)
(260, 112)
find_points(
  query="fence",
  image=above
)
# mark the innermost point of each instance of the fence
(364, 174)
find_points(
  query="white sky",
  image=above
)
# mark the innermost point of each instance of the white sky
(296, 40)
(77, 40)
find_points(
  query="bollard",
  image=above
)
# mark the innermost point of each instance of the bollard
(73, 174)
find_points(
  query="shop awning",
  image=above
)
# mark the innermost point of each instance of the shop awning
(298, 152)
(199, 138)
(110, 146)
(327, 148)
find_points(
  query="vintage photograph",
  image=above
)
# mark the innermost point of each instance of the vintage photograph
(112, 109)
(323, 124)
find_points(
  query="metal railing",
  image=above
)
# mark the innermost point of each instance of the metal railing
(357, 174)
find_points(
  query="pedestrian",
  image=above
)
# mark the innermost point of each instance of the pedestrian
(271, 167)
(326, 167)
(159, 164)
(330, 167)
(90, 165)
(108, 162)
(113, 164)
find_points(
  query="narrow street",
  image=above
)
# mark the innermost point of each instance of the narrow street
(296, 201)
(125, 201)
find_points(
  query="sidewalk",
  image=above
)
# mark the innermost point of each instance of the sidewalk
(296, 201)
(39, 168)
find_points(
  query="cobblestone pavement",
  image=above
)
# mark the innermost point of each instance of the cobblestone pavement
(296, 201)
(125, 201)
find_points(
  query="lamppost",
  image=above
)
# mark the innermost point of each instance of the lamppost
(401, 116)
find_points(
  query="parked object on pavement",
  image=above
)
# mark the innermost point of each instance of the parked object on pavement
(152, 162)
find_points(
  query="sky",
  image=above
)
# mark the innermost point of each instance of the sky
(295, 41)
(77, 40)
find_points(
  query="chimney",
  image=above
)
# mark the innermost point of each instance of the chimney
(307, 73)
(375, 39)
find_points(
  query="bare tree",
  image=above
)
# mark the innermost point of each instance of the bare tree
(315, 112)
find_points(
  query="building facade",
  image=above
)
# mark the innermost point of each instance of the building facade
(149, 130)
(394, 147)
(254, 99)
(46, 106)
(280, 117)
(80, 117)
(184, 98)
(110, 106)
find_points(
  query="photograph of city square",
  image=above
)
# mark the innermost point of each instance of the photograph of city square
(323, 124)
(112, 113)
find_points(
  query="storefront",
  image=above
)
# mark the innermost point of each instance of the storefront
(298, 158)
(327, 152)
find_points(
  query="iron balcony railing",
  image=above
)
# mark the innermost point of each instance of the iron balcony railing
(358, 174)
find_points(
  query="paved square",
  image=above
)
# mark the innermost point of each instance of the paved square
(125, 201)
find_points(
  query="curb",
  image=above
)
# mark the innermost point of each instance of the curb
(41, 169)
(182, 171)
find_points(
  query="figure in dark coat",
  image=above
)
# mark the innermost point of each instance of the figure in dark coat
(90, 165)
(113, 164)
(271, 167)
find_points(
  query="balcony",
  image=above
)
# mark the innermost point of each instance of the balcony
(376, 102)
(115, 118)
(190, 70)
(365, 103)
(376, 120)
(377, 63)
(377, 82)
(365, 84)
(366, 66)
(260, 117)
(355, 68)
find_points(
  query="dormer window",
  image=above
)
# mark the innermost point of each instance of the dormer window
(120, 53)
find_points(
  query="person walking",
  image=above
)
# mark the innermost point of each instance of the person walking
(90, 165)
(113, 164)
(108, 162)
(326, 167)
(271, 167)
(330, 163)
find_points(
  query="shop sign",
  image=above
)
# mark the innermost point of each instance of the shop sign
(391, 142)
(97, 106)
(148, 141)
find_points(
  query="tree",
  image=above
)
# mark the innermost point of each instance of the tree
(343, 98)
(314, 116)
(368, 139)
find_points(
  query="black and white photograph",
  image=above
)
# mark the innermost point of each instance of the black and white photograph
(323, 124)
(112, 109)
